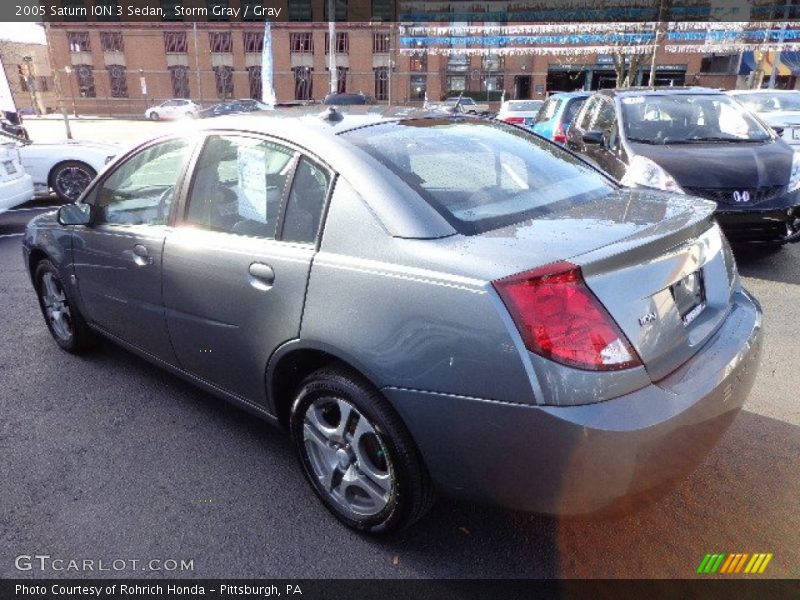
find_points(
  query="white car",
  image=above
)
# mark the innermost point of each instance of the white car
(16, 186)
(520, 112)
(176, 108)
(777, 108)
(65, 167)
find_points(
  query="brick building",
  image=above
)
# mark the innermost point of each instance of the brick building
(27, 69)
(107, 67)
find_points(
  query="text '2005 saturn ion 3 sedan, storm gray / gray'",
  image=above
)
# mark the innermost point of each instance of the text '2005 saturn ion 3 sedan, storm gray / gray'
(427, 303)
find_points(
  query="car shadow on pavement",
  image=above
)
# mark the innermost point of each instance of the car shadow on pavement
(742, 498)
(780, 266)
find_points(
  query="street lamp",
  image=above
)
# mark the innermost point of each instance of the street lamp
(68, 71)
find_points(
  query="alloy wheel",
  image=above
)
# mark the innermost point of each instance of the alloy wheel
(71, 181)
(56, 307)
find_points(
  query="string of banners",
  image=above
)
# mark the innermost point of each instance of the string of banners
(571, 28)
(531, 50)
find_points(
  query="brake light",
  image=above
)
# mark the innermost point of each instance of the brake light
(515, 120)
(560, 318)
(559, 135)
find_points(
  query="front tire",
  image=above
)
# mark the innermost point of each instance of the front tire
(154, 116)
(63, 319)
(357, 454)
(70, 178)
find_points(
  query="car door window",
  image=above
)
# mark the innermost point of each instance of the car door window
(584, 118)
(306, 202)
(238, 185)
(140, 192)
(547, 111)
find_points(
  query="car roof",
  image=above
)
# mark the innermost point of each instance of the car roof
(581, 94)
(661, 91)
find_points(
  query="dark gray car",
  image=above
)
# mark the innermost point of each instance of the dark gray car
(440, 303)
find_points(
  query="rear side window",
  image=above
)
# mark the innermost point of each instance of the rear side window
(571, 110)
(547, 111)
(306, 202)
(238, 185)
(481, 175)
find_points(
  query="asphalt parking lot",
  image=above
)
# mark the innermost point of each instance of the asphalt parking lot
(107, 457)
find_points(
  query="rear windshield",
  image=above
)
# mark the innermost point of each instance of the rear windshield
(481, 175)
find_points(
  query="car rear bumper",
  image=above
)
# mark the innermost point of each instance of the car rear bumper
(581, 459)
(15, 192)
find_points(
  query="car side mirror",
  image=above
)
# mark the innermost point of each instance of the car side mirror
(75, 214)
(594, 138)
(778, 129)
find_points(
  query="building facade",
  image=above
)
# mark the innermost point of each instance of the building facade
(27, 69)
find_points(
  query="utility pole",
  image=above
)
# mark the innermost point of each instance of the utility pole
(332, 46)
(56, 81)
(197, 63)
(656, 42)
(777, 60)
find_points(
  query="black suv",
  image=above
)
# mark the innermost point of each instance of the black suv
(696, 141)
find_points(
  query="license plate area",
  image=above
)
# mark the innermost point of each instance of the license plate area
(689, 295)
(10, 168)
(796, 133)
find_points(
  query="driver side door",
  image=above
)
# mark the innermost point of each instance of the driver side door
(117, 258)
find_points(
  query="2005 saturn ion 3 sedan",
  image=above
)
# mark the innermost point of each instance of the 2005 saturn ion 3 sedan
(426, 303)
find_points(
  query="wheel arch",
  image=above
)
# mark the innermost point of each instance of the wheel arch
(292, 362)
(36, 256)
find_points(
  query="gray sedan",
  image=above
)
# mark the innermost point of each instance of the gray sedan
(426, 303)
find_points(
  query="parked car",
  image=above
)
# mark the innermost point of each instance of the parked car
(696, 141)
(65, 167)
(347, 99)
(16, 186)
(779, 109)
(442, 303)
(554, 118)
(231, 107)
(466, 105)
(176, 108)
(520, 112)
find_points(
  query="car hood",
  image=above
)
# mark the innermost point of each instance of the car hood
(627, 218)
(735, 165)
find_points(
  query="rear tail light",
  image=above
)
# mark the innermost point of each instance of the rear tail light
(559, 135)
(515, 120)
(560, 318)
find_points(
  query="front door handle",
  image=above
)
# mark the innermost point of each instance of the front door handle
(261, 276)
(141, 256)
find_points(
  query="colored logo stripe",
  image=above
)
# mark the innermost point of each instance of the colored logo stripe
(734, 563)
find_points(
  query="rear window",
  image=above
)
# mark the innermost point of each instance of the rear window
(481, 175)
(524, 106)
(547, 111)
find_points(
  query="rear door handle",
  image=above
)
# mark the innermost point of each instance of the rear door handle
(261, 276)
(141, 256)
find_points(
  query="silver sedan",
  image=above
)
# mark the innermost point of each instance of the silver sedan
(430, 303)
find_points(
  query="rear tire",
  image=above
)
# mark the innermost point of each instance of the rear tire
(357, 454)
(63, 319)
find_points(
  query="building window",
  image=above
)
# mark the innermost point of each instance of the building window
(23, 78)
(458, 62)
(168, 10)
(78, 41)
(42, 84)
(492, 63)
(302, 43)
(418, 63)
(723, 64)
(382, 83)
(217, 10)
(340, 8)
(342, 43)
(179, 76)
(109, 8)
(223, 76)
(85, 77)
(380, 43)
(74, 10)
(456, 83)
(419, 87)
(175, 42)
(303, 88)
(253, 41)
(118, 81)
(220, 41)
(300, 10)
(493, 83)
(382, 10)
(111, 41)
(254, 77)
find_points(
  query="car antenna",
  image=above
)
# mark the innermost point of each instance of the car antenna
(331, 115)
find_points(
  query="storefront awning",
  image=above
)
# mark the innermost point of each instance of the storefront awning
(789, 63)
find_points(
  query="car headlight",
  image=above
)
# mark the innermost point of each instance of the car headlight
(794, 177)
(644, 172)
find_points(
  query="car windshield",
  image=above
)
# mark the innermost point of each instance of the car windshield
(689, 118)
(767, 102)
(481, 175)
